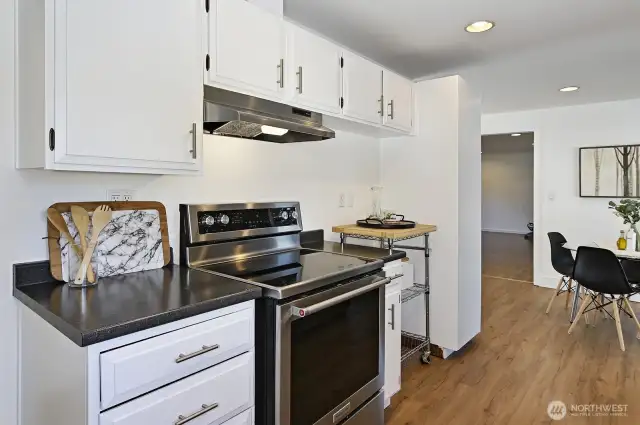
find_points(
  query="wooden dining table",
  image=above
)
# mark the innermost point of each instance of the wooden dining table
(632, 255)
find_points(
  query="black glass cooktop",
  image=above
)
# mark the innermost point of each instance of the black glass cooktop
(288, 268)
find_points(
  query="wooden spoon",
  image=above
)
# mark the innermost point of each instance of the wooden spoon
(58, 222)
(101, 217)
(81, 219)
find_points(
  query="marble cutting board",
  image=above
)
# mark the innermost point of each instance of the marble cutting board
(133, 241)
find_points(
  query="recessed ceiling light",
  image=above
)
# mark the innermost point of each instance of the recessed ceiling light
(480, 26)
(569, 88)
(516, 134)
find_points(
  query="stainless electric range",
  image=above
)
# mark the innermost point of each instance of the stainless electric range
(320, 325)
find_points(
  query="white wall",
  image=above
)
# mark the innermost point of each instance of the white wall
(235, 170)
(507, 188)
(434, 177)
(559, 132)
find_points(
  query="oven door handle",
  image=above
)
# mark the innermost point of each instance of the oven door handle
(302, 312)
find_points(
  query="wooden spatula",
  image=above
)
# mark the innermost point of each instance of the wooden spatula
(81, 219)
(101, 217)
(58, 222)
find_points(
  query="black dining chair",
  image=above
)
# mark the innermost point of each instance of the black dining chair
(562, 262)
(632, 270)
(600, 273)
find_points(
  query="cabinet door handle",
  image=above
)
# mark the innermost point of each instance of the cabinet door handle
(205, 408)
(205, 349)
(194, 140)
(391, 109)
(299, 74)
(281, 73)
(381, 101)
(393, 317)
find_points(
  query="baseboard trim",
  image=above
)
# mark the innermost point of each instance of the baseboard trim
(515, 232)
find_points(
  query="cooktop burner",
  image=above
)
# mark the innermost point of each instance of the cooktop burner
(288, 268)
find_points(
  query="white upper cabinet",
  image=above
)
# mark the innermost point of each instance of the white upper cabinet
(122, 85)
(314, 70)
(362, 89)
(246, 49)
(398, 99)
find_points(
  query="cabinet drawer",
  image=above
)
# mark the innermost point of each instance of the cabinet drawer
(135, 369)
(244, 418)
(209, 397)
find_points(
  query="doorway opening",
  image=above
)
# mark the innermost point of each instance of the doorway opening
(507, 206)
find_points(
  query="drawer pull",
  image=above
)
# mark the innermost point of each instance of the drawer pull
(205, 349)
(205, 408)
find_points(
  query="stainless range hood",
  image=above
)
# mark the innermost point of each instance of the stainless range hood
(233, 114)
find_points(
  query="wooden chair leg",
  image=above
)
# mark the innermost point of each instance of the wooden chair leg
(555, 294)
(580, 310)
(569, 286)
(633, 314)
(616, 315)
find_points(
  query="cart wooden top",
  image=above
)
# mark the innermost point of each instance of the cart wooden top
(354, 229)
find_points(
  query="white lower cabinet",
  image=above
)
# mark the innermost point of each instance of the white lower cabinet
(392, 342)
(212, 396)
(196, 371)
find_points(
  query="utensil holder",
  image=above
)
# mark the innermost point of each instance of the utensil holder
(85, 282)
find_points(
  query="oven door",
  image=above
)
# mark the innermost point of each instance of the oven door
(331, 352)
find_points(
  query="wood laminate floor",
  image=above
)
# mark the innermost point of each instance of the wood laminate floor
(522, 360)
(507, 255)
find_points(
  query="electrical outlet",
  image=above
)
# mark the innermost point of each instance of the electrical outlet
(127, 195)
(120, 195)
(342, 201)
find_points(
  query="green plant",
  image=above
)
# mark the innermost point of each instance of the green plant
(627, 209)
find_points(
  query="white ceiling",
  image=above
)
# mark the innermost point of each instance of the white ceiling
(536, 47)
(505, 143)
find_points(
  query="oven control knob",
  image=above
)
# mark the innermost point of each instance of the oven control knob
(209, 220)
(294, 215)
(224, 219)
(284, 215)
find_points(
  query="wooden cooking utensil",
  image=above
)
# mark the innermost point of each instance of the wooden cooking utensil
(101, 217)
(81, 220)
(58, 222)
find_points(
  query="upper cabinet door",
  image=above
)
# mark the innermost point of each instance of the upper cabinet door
(398, 99)
(128, 83)
(314, 71)
(246, 48)
(362, 89)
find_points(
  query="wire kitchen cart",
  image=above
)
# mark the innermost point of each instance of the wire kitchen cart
(411, 343)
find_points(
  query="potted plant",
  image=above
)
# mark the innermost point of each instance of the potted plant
(629, 211)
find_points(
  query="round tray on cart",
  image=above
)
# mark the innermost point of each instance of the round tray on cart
(396, 222)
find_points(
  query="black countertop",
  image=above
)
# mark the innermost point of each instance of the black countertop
(127, 303)
(314, 239)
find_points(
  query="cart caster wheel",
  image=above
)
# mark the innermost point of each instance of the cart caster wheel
(425, 358)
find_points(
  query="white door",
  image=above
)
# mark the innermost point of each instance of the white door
(128, 82)
(246, 48)
(392, 342)
(314, 70)
(398, 99)
(362, 89)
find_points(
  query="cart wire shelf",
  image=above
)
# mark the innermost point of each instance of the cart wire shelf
(413, 292)
(411, 344)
